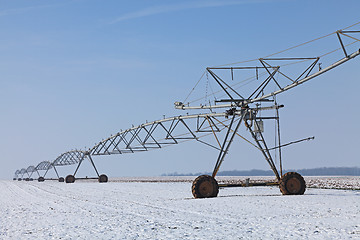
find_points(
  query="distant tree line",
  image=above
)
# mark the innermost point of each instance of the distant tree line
(325, 171)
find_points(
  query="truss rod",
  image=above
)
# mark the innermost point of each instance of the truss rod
(290, 143)
(286, 88)
(264, 150)
(226, 145)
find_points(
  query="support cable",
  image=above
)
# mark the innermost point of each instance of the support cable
(299, 45)
(290, 48)
(193, 89)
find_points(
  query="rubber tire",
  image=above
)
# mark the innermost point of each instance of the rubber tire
(61, 179)
(205, 186)
(27, 179)
(70, 179)
(31, 179)
(103, 178)
(292, 183)
(41, 179)
(19, 179)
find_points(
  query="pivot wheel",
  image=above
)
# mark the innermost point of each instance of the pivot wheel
(41, 179)
(61, 179)
(70, 179)
(103, 178)
(292, 183)
(205, 186)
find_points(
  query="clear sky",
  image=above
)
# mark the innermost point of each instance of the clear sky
(73, 72)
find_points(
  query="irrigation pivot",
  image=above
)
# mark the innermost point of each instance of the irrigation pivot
(238, 98)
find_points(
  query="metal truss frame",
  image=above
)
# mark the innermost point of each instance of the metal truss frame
(30, 170)
(239, 110)
(45, 166)
(16, 174)
(74, 157)
(260, 94)
(22, 172)
(158, 134)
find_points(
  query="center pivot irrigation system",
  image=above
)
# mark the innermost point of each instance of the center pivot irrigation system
(245, 95)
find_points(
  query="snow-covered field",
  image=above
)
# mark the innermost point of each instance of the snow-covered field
(166, 210)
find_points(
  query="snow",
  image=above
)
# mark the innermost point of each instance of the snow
(125, 209)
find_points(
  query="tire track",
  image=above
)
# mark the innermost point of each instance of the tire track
(143, 209)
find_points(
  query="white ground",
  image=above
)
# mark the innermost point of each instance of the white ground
(166, 210)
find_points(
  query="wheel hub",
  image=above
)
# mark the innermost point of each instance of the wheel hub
(206, 188)
(293, 185)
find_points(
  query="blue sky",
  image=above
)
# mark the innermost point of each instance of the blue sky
(75, 72)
